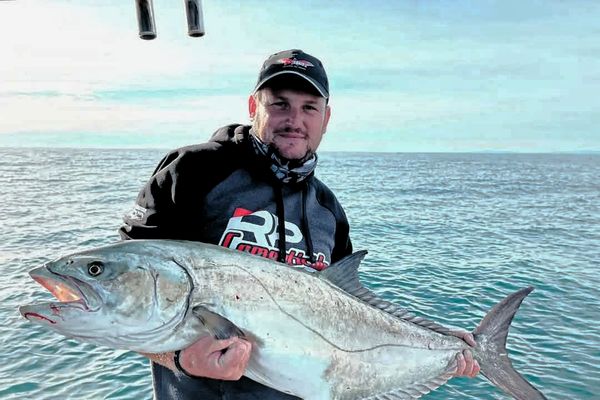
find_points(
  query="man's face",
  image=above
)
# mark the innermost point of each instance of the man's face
(292, 121)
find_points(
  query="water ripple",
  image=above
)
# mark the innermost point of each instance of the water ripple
(449, 235)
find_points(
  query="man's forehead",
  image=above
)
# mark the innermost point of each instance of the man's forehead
(293, 94)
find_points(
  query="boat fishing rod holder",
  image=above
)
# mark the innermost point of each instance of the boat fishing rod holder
(147, 26)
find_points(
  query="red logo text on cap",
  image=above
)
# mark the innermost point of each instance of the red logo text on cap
(296, 63)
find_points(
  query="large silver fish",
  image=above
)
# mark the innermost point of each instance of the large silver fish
(316, 335)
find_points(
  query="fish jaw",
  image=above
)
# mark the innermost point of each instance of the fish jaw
(50, 313)
(74, 298)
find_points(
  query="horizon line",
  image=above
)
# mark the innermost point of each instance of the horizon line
(167, 149)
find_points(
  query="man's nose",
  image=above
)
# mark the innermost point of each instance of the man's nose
(293, 117)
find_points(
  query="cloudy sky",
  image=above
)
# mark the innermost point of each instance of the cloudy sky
(405, 75)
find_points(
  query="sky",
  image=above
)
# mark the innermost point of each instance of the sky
(405, 76)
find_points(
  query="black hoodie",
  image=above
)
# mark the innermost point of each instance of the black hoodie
(222, 192)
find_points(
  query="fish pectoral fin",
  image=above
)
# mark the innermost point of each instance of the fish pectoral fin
(220, 327)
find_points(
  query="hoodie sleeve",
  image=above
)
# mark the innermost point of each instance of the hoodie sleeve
(154, 211)
(168, 202)
(343, 244)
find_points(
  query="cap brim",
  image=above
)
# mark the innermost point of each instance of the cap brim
(317, 86)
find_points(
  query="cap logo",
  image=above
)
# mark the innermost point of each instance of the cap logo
(296, 63)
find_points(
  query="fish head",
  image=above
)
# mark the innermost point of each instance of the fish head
(121, 296)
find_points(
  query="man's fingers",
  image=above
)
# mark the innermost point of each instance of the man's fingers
(460, 364)
(476, 369)
(218, 359)
(466, 365)
(468, 337)
(237, 354)
(469, 363)
(209, 343)
(218, 345)
(206, 344)
(234, 360)
(472, 368)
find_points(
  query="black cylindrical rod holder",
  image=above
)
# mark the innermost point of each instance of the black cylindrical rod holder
(195, 19)
(145, 17)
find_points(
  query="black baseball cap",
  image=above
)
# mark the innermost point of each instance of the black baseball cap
(295, 62)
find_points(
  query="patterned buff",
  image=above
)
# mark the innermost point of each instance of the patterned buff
(284, 170)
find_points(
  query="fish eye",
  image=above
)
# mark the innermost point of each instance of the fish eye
(95, 268)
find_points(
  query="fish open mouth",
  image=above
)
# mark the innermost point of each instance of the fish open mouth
(69, 291)
(60, 289)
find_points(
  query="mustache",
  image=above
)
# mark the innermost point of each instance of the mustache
(289, 129)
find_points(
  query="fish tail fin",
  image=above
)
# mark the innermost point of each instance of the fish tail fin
(491, 351)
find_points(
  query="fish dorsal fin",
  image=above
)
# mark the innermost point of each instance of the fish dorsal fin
(344, 274)
(220, 327)
(418, 390)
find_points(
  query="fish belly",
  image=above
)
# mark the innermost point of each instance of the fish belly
(312, 340)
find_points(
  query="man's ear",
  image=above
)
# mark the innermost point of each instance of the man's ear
(251, 106)
(326, 120)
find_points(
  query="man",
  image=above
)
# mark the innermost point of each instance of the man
(250, 188)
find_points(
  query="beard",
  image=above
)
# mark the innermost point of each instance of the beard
(291, 162)
(273, 148)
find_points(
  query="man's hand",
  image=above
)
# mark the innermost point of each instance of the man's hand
(217, 359)
(466, 365)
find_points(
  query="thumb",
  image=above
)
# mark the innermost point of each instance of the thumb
(236, 354)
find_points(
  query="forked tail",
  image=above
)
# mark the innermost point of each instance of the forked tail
(492, 356)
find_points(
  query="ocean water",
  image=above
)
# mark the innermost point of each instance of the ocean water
(448, 236)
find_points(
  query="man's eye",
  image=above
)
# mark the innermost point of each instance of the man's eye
(310, 108)
(280, 104)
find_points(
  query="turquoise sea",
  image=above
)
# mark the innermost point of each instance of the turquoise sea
(448, 236)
